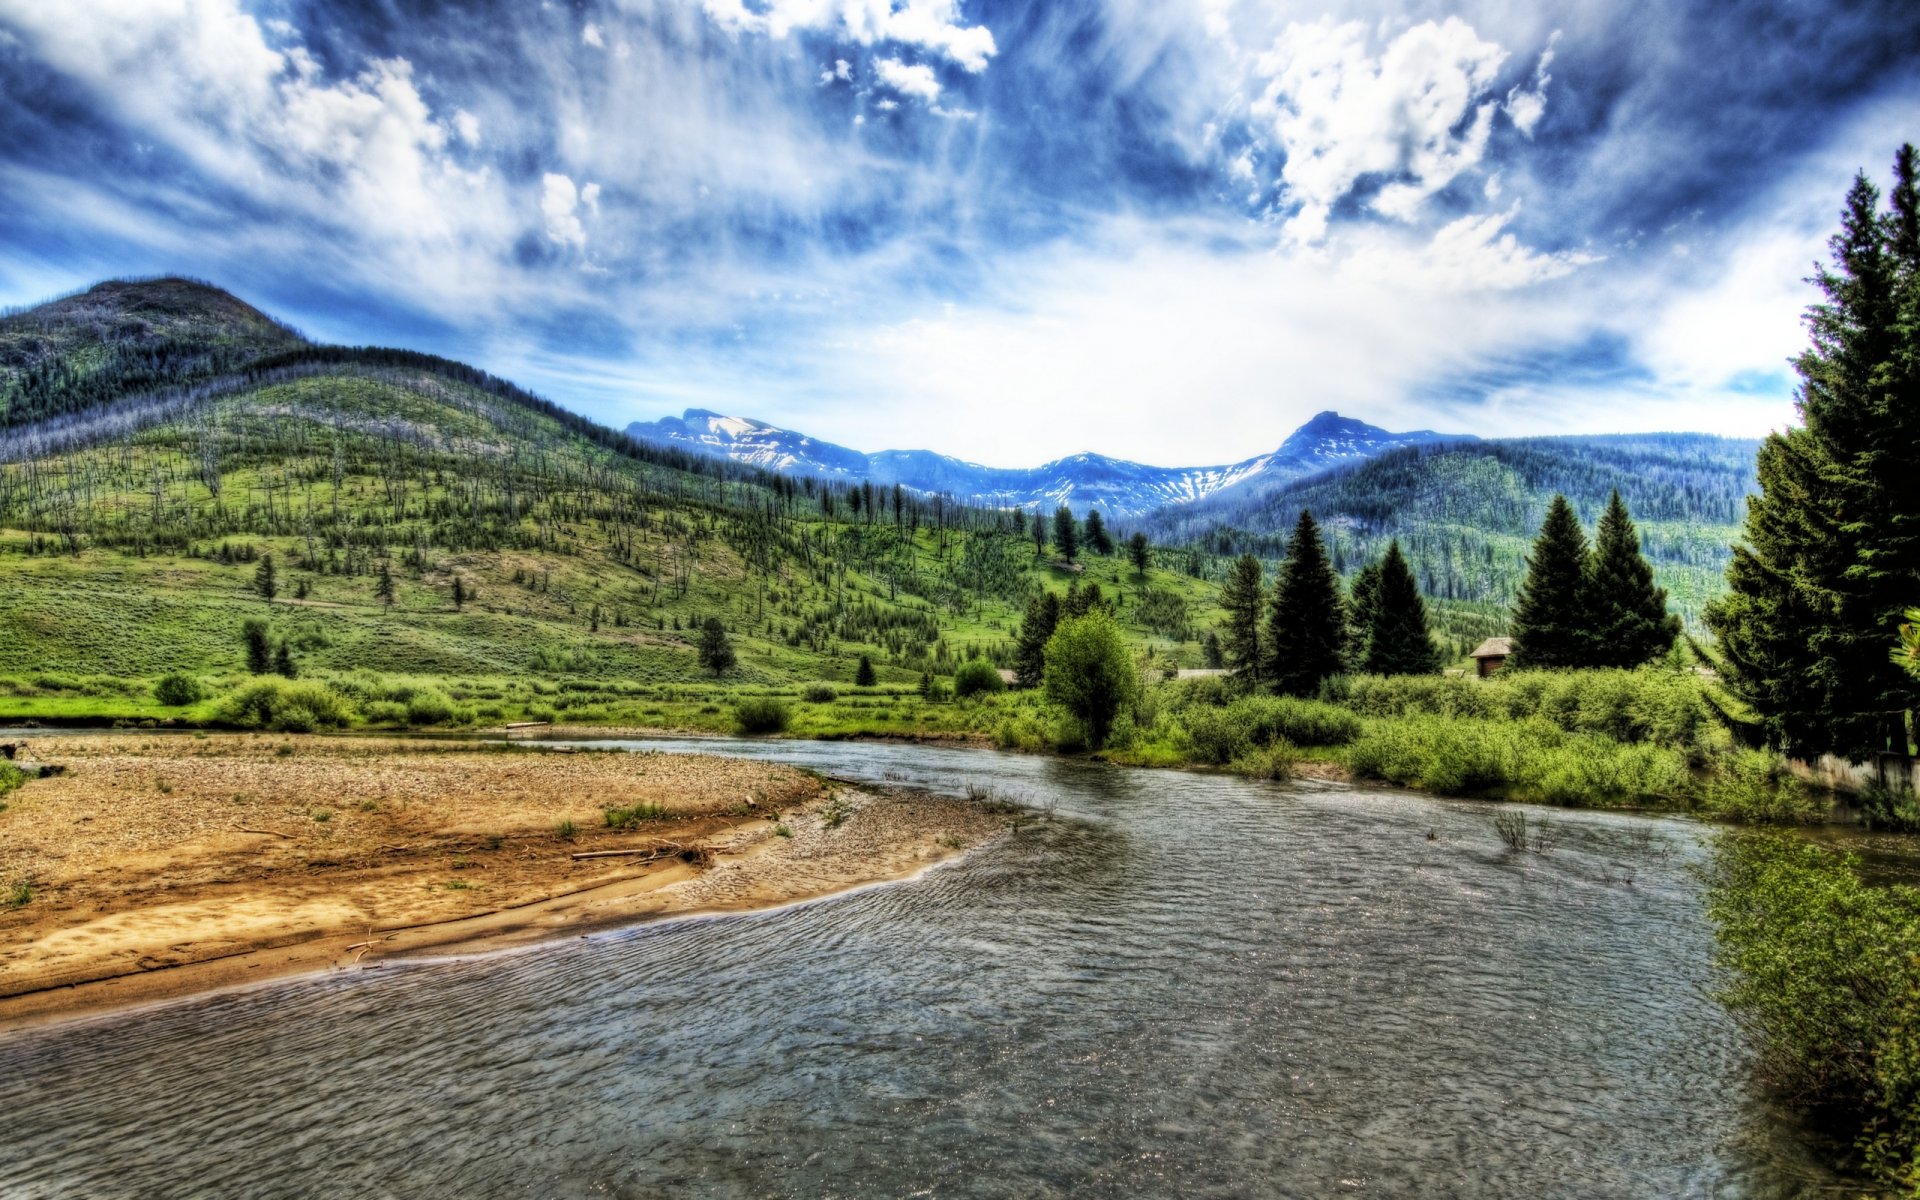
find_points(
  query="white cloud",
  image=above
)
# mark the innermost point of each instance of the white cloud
(1526, 105)
(590, 35)
(909, 80)
(840, 72)
(1341, 114)
(932, 25)
(466, 127)
(560, 205)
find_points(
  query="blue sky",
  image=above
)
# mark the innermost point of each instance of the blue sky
(1168, 230)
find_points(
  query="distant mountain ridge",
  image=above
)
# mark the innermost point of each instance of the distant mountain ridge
(1117, 487)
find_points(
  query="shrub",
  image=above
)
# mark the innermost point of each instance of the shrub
(285, 706)
(1755, 786)
(760, 714)
(178, 689)
(429, 707)
(819, 693)
(1273, 761)
(1824, 973)
(977, 676)
(627, 818)
(1090, 673)
(11, 777)
(1527, 760)
(384, 712)
(1220, 735)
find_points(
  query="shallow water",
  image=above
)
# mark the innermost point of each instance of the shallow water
(1175, 984)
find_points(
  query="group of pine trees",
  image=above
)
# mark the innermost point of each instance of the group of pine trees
(1831, 558)
(1590, 606)
(1306, 629)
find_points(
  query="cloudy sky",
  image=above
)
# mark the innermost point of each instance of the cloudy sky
(1168, 230)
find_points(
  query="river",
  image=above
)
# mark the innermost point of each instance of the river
(1172, 984)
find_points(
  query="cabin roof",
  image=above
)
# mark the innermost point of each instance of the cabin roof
(1494, 648)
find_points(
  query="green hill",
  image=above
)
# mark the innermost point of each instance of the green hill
(133, 522)
(1466, 513)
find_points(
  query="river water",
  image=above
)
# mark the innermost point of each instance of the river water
(1172, 985)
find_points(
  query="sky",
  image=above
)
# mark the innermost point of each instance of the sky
(1165, 230)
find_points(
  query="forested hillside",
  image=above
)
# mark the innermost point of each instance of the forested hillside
(1465, 513)
(133, 531)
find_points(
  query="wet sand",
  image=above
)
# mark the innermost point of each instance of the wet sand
(166, 866)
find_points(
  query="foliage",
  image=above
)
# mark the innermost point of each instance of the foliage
(1396, 640)
(1823, 970)
(977, 676)
(760, 714)
(819, 693)
(1531, 759)
(1630, 622)
(285, 707)
(1241, 598)
(11, 777)
(1090, 673)
(1832, 542)
(1218, 735)
(630, 817)
(863, 674)
(177, 688)
(1307, 625)
(1552, 615)
(716, 651)
(1036, 627)
(253, 633)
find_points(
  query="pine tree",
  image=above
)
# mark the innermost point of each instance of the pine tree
(283, 662)
(459, 593)
(1137, 550)
(1064, 534)
(716, 650)
(1831, 553)
(383, 591)
(1038, 532)
(1098, 540)
(864, 674)
(1363, 596)
(259, 648)
(1398, 640)
(1030, 648)
(1241, 598)
(1552, 619)
(1307, 624)
(265, 580)
(1630, 621)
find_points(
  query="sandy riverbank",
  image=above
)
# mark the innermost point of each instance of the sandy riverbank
(164, 866)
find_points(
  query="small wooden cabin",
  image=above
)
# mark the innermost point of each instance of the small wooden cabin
(1492, 655)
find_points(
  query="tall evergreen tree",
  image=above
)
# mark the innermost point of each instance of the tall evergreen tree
(1098, 539)
(383, 590)
(1307, 625)
(253, 632)
(1552, 619)
(1030, 647)
(1065, 533)
(1138, 551)
(1398, 640)
(1363, 596)
(1630, 621)
(265, 580)
(864, 675)
(1832, 546)
(1038, 532)
(716, 651)
(1240, 599)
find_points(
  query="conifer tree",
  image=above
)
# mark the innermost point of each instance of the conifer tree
(1038, 532)
(1065, 539)
(864, 674)
(259, 648)
(1552, 619)
(1137, 550)
(1398, 640)
(1307, 624)
(265, 580)
(716, 650)
(1362, 598)
(1030, 649)
(459, 593)
(1240, 598)
(383, 591)
(1630, 621)
(283, 664)
(1831, 552)
(1098, 540)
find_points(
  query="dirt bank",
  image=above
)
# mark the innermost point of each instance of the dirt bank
(161, 866)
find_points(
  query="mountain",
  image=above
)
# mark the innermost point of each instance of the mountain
(123, 336)
(140, 493)
(1117, 487)
(1465, 513)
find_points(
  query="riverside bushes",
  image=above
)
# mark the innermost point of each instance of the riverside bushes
(1531, 759)
(285, 706)
(1662, 707)
(760, 714)
(1824, 972)
(1221, 735)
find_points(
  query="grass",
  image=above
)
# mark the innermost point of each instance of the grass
(631, 817)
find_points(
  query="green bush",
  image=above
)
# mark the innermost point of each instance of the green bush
(1221, 735)
(11, 777)
(1755, 786)
(1662, 707)
(1524, 760)
(1823, 971)
(384, 712)
(975, 677)
(428, 706)
(819, 693)
(178, 689)
(285, 706)
(760, 714)
(1272, 761)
